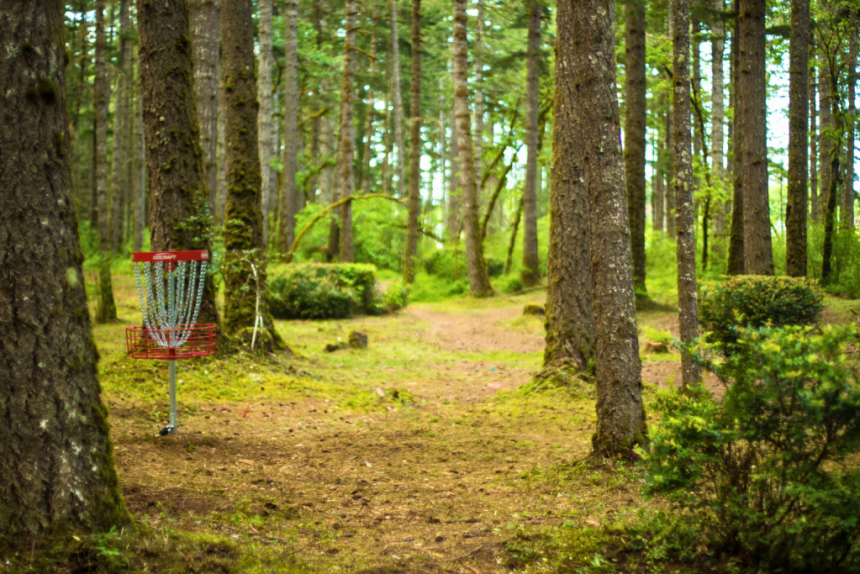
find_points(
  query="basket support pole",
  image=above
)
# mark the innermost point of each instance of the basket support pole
(173, 423)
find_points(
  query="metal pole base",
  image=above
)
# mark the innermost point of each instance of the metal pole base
(169, 429)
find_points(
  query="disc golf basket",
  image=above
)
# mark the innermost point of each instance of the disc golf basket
(170, 288)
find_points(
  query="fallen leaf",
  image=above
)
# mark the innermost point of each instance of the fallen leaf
(380, 392)
(250, 462)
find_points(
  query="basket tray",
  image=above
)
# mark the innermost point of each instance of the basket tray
(201, 342)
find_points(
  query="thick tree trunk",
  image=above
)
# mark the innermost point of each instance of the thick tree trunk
(243, 220)
(752, 113)
(205, 43)
(798, 118)
(683, 189)
(414, 148)
(620, 412)
(479, 280)
(291, 106)
(397, 102)
(736, 233)
(56, 455)
(452, 225)
(634, 133)
(268, 175)
(569, 311)
(530, 272)
(174, 162)
(106, 307)
(718, 32)
(347, 138)
(117, 181)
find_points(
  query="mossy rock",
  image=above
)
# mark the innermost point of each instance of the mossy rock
(535, 310)
(358, 340)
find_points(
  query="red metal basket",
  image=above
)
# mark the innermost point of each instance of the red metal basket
(201, 342)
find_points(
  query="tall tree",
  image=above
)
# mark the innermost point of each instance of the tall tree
(397, 102)
(569, 312)
(264, 117)
(825, 124)
(736, 233)
(671, 229)
(531, 267)
(139, 186)
(347, 138)
(718, 38)
(683, 190)
(289, 192)
(120, 126)
(479, 280)
(106, 307)
(56, 456)
(479, 94)
(414, 148)
(813, 135)
(205, 45)
(453, 223)
(369, 113)
(243, 220)
(634, 132)
(850, 129)
(798, 112)
(620, 412)
(178, 197)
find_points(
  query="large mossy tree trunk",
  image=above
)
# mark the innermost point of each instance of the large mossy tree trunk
(798, 119)
(414, 148)
(736, 231)
(179, 215)
(206, 47)
(683, 190)
(243, 218)
(347, 135)
(621, 424)
(479, 280)
(634, 133)
(569, 312)
(56, 456)
(106, 307)
(752, 114)
(289, 202)
(268, 176)
(530, 272)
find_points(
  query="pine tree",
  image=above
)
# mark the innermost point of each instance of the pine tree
(634, 133)
(414, 148)
(531, 266)
(347, 139)
(796, 209)
(289, 201)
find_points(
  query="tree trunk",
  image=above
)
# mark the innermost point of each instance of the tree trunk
(530, 272)
(825, 132)
(657, 186)
(117, 183)
(569, 311)
(397, 100)
(813, 136)
(205, 43)
(683, 189)
(347, 138)
(513, 240)
(291, 104)
(174, 162)
(368, 116)
(56, 455)
(634, 134)
(752, 113)
(670, 158)
(850, 130)
(479, 280)
(620, 412)
(718, 32)
(736, 237)
(454, 191)
(798, 112)
(243, 220)
(106, 307)
(414, 148)
(139, 187)
(264, 117)
(479, 94)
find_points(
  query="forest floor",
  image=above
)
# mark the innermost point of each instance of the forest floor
(422, 453)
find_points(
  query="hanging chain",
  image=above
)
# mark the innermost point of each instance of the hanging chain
(170, 302)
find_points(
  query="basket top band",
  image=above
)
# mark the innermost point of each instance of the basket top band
(169, 256)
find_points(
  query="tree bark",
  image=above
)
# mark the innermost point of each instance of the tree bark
(291, 104)
(479, 280)
(264, 116)
(736, 237)
(683, 189)
(56, 455)
(813, 136)
(414, 148)
(117, 181)
(718, 32)
(620, 412)
(825, 132)
(634, 133)
(139, 187)
(850, 130)
(243, 220)
(530, 272)
(671, 230)
(798, 112)
(368, 116)
(479, 95)
(106, 307)
(513, 240)
(454, 192)
(569, 311)
(397, 102)
(347, 137)
(205, 44)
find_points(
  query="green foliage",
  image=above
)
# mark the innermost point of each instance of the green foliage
(757, 301)
(513, 285)
(450, 263)
(396, 296)
(320, 291)
(761, 474)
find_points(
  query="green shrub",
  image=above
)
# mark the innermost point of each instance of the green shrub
(396, 296)
(762, 473)
(513, 285)
(756, 301)
(322, 291)
(450, 263)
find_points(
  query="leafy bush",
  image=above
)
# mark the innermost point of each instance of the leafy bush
(396, 296)
(513, 285)
(320, 291)
(761, 474)
(756, 301)
(450, 263)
